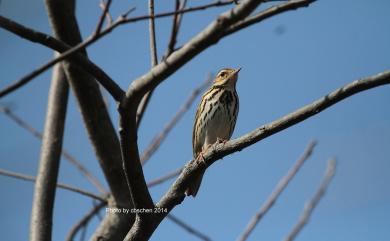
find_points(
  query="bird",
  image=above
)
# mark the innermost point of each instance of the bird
(215, 118)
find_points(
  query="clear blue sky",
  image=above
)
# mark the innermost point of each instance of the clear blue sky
(287, 62)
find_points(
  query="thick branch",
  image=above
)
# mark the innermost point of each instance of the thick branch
(175, 195)
(49, 163)
(276, 192)
(67, 52)
(144, 226)
(209, 36)
(311, 205)
(96, 119)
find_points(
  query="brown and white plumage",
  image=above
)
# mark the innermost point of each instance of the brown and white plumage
(215, 117)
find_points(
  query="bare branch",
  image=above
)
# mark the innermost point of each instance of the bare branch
(182, 11)
(8, 112)
(152, 35)
(276, 192)
(59, 185)
(49, 162)
(158, 139)
(92, 179)
(153, 59)
(100, 129)
(188, 228)
(175, 195)
(180, 4)
(165, 177)
(85, 220)
(106, 8)
(311, 205)
(209, 36)
(66, 50)
(145, 225)
(103, 5)
(283, 7)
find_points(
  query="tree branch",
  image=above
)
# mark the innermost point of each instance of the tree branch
(84, 220)
(175, 195)
(96, 119)
(269, 12)
(66, 50)
(144, 225)
(182, 11)
(153, 59)
(165, 177)
(311, 205)
(106, 8)
(59, 185)
(188, 228)
(83, 170)
(276, 192)
(180, 4)
(49, 163)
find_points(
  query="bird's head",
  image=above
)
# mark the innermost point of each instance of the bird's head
(227, 78)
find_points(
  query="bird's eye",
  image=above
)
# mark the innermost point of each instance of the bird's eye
(223, 74)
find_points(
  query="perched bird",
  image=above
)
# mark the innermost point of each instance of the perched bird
(215, 118)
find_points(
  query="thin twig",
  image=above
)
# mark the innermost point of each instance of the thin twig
(311, 205)
(180, 4)
(188, 228)
(114, 89)
(264, 14)
(102, 5)
(276, 192)
(59, 185)
(85, 220)
(91, 178)
(153, 62)
(165, 177)
(185, 10)
(106, 8)
(66, 51)
(158, 139)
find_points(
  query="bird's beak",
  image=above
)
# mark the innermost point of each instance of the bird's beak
(237, 70)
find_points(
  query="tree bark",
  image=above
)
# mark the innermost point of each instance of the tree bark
(45, 186)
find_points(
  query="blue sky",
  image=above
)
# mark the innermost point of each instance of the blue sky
(287, 62)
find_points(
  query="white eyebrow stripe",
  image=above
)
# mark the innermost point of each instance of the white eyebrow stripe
(220, 72)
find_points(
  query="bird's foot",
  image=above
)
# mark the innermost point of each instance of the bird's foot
(200, 157)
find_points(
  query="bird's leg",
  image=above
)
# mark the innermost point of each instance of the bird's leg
(200, 156)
